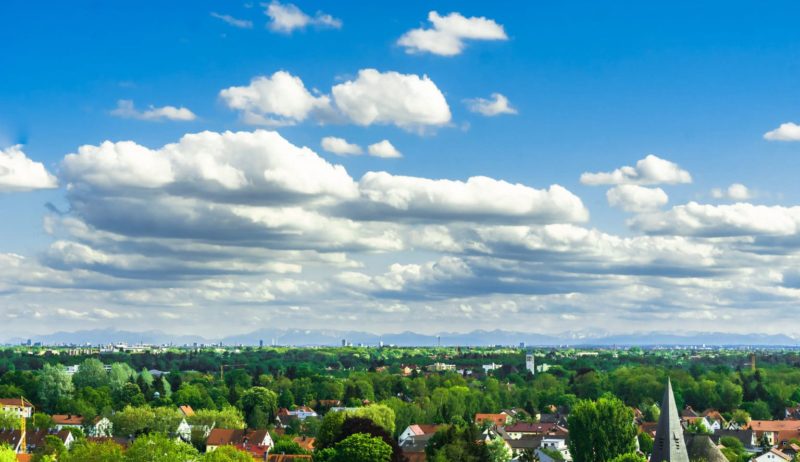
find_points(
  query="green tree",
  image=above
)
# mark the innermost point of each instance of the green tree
(758, 410)
(645, 443)
(361, 447)
(39, 420)
(629, 457)
(329, 429)
(132, 421)
(259, 406)
(601, 430)
(160, 448)
(129, 395)
(7, 454)
(379, 413)
(227, 454)
(9, 419)
(52, 449)
(741, 417)
(91, 373)
(55, 386)
(120, 374)
(498, 451)
(228, 417)
(86, 451)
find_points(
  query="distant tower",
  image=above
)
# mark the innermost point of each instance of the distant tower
(530, 363)
(438, 341)
(261, 344)
(753, 362)
(669, 445)
(344, 342)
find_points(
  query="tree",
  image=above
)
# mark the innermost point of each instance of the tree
(286, 445)
(91, 373)
(120, 374)
(629, 457)
(86, 451)
(9, 419)
(159, 448)
(52, 449)
(329, 429)
(758, 410)
(129, 394)
(7, 454)
(227, 454)
(132, 421)
(228, 417)
(379, 413)
(354, 425)
(498, 451)
(741, 417)
(361, 447)
(645, 443)
(39, 420)
(601, 430)
(55, 386)
(259, 406)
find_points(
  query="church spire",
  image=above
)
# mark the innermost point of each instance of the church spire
(669, 445)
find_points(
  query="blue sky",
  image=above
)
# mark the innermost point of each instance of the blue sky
(594, 87)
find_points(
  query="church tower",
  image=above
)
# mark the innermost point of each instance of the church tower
(669, 445)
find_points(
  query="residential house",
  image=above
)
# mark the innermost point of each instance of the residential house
(288, 457)
(441, 367)
(302, 412)
(515, 414)
(747, 437)
(186, 410)
(773, 455)
(775, 432)
(708, 425)
(793, 413)
(551, 445)
(519, 445)
(62, 421)
(521, 429)
(19, 406)
(689, 412)
(493, 420)
(33, 438)
(416, 431)
(255, 442)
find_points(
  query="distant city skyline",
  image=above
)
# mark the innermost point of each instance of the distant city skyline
(212, 169)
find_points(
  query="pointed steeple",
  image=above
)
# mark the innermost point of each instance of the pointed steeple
(669, 445)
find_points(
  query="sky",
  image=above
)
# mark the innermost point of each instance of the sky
(213, 168)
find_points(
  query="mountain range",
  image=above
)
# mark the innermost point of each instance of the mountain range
(311, 337)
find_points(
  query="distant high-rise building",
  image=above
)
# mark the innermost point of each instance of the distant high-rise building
(669, 445)
(521, 345)
(344, 342)
(261, 344)
(530, 363)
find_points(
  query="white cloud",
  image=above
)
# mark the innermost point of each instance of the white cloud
(635, 198)
(287, 17)
(126, 109)
(497, 105)
(479, 198)
(19, 173)
(230, 20)
(281, 99)
(406, 100)
(788, 131)
(447, 36)
(740, 219)
(648, 171)
(736, 191)
(340, 146)
(384, 149)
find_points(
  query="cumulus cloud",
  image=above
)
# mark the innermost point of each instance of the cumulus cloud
(635, 198)
(648, 171)
(230, 20)
(384, 98)
(788, 131)
(406, 100)
(384, 149)
(340, 146)
(20, 173)
(280, 99)
(287, 17)
(736, 191)
(478, 198)
(496, 105)
(740, 219)
(126, 110)
(448, 33)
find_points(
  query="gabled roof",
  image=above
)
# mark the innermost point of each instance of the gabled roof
(186, 410)
(10, 438)
(424, 429)
(305, 442)
(779, 454)
(224, 437)
(536, 428)
(14, 402)
(67, 419)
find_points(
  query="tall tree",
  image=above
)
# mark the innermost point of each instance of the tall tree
(601, 430)
(91, 373)
(55, 386)
(259, 406)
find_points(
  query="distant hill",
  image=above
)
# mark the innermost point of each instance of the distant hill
(322, 337)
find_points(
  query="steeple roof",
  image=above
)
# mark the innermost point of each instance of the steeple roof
(669, 445)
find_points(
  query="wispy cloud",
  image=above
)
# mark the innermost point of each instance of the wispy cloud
(126, 109)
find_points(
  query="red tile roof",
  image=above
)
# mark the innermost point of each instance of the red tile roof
(67, 419)
(14, 402)
(494, 419)
(187, 410)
